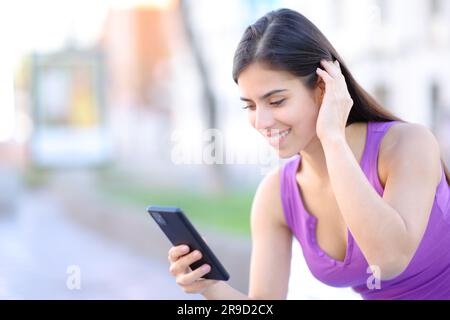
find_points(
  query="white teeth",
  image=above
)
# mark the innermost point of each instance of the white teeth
(276, 137)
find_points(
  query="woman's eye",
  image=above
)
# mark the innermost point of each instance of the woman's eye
(277, 103)
(248, 107)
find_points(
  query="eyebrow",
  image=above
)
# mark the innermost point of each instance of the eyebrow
(265, 96)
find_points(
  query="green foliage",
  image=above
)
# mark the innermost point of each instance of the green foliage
(229, 211)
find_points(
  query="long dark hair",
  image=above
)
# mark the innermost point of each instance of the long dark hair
(286, 40)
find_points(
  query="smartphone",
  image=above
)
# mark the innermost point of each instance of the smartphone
(177, 227)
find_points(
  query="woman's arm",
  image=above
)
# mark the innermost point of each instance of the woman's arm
(223, 291)
(271, 248)
(271, 242)
(388, 229)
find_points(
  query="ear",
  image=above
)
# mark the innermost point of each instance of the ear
(319, 91)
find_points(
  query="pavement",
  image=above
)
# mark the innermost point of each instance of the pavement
(45, 255)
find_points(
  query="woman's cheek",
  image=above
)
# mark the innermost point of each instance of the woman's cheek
(312, 115)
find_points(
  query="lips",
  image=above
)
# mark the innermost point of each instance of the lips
(275, 139)
(274, 132)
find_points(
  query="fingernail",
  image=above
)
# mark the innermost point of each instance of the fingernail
(197, 254)
(185, 249)
(206, 268)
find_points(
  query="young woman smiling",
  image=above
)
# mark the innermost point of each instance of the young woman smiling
(364, 190)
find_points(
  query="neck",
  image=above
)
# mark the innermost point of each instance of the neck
(313, 160)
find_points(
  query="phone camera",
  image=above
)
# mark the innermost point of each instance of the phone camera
(159, 218)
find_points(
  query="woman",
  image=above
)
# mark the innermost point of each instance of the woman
(367, 196)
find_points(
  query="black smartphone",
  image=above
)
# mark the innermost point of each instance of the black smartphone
(177, 227)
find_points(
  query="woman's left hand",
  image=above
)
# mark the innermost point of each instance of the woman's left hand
(336, 103)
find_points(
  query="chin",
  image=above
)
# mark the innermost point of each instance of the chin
(291, 149)
(288, 153)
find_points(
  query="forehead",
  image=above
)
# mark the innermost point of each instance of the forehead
(257, 79)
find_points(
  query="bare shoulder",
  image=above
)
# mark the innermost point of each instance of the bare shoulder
(404, 133)
(268, 196)
(407, 142)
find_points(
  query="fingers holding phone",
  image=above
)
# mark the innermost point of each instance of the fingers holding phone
(176, 252)
(180, 259)
(192, 262)
(190, 280)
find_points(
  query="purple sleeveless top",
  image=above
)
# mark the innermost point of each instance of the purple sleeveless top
(428, 274)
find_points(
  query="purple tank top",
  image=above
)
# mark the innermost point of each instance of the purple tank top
(428, 274)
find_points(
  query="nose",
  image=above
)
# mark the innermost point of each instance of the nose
(263, 118)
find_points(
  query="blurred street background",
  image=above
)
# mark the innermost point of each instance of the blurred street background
(104, 110)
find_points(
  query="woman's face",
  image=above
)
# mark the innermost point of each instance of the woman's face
(280, 107)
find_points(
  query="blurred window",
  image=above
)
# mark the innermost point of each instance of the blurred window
(435, 105)
(383, 7)
(435, 7)
(382, 95)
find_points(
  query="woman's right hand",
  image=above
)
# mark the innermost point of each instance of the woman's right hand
(191, 281)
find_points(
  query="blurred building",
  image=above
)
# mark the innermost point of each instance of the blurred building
(135, 42)
(400, 52)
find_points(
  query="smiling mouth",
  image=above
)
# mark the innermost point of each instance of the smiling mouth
(276, 132)
(276, 138)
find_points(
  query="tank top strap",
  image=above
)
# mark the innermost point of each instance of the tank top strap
(288, 191)
(369, 163)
